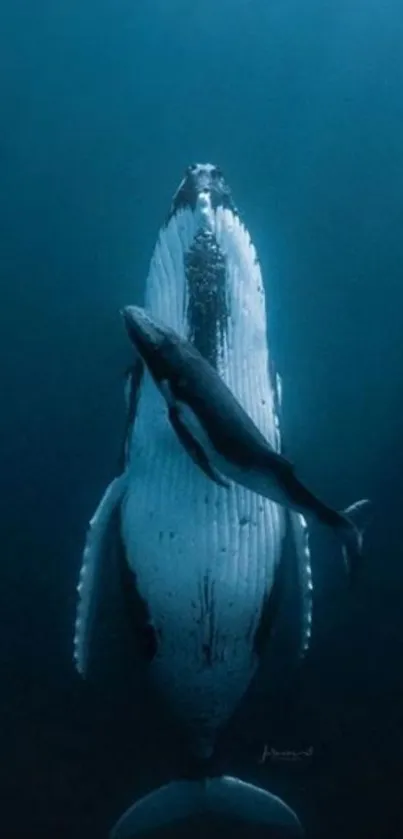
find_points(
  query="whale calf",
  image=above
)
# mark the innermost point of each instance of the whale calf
(220, 436)
(202, 559)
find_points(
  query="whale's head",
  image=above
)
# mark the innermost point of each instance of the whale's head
(203, 185)
(205, 280)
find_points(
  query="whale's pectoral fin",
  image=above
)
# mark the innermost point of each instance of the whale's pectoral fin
(191, 438)
(94, 569)
(107, 590)
(300, 535)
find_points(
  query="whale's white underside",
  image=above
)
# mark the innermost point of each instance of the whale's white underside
(204, 556)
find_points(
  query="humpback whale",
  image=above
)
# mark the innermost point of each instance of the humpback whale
(202, 553)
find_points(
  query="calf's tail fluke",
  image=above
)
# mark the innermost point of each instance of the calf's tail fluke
(353, 521)
(225, 796)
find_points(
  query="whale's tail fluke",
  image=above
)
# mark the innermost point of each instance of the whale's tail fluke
(353, 522)
(224, 796)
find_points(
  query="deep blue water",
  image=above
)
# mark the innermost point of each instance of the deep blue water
(103, 105)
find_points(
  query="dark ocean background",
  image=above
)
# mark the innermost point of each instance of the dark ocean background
(103, 104)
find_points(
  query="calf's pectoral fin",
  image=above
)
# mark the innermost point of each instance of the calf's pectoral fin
(194, 445)
(352, 525)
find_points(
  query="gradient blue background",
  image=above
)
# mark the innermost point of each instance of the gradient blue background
(103, 104)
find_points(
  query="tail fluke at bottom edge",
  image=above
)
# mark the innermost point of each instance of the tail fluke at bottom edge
(225, 796)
